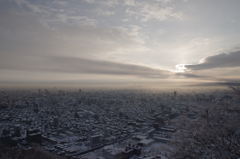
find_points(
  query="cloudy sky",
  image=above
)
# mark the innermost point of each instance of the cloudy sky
(119, 41)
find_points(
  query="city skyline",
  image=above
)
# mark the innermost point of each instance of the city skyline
(119, 42)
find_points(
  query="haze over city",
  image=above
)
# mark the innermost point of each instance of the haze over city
(117, 42)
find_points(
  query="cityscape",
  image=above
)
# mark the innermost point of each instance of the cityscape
(119, 79)
(102, 124)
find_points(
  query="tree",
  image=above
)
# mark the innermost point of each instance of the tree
(214, 133)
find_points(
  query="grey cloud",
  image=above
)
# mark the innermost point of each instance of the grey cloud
(197, 77)
(189, 75)
(207, 77)
(78, 66)
(107, 3)
(23, 33)
(158, 10)
(224, 60)
(90, 1)
(31, 43)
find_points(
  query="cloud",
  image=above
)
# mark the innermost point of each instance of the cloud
(148, 10)
(61, 3)
(66, 65)
(100, 11)
(224, 60)
(33, 43)
(200, 41)
(164, 1)
(129, 2)
(72, 19)
(190, 75)
(24, 33)
(107, 3)
(89, 1)
(161, 31)
(36, 8)
(21, 2)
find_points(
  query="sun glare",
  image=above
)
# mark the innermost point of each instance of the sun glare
(181, 67)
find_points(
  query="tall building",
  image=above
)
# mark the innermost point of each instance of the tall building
(55, 121)
(17, 130)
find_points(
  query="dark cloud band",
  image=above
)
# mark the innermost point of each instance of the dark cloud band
(224, 60)
(79, 66)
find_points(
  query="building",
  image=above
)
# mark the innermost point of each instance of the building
(175, 94)
(131, 150)
(146, 142)
(95, 140)
(55, 121)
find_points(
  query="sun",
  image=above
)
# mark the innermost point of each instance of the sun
(181, 67)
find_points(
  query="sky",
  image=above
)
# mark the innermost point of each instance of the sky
(119, 41)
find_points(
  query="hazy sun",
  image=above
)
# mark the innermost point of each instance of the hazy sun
(181, 67)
